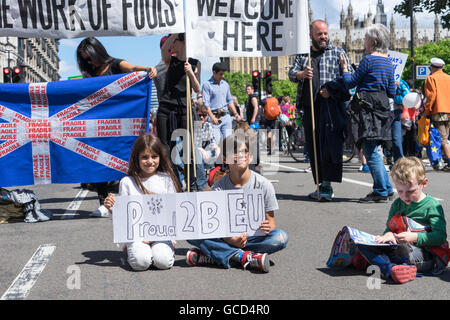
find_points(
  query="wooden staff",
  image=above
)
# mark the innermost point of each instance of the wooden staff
(190, 129)
(188, 151)
(316, 167)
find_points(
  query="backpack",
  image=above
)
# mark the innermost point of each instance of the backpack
(271, 108)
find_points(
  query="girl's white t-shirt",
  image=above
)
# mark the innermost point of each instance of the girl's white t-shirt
(160, 182)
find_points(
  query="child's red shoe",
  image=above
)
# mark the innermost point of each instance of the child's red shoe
(403, 273)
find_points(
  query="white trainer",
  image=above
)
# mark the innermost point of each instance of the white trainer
(101, 212)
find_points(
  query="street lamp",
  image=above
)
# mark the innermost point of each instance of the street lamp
(413, 66)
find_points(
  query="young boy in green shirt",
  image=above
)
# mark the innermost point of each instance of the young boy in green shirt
(416, 224)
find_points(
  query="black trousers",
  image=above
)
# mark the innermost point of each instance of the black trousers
(168, 119)
(328, 169)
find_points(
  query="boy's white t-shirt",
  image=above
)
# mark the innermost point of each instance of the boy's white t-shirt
(160, 182)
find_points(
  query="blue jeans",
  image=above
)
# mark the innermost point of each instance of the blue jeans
(200, 165)
(221, 252)
(224, 128)
(389, 256)
(381, 184)
(201, 179)
(396, 128)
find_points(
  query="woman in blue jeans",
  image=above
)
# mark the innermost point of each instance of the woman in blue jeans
(396, 117)
(370, 110)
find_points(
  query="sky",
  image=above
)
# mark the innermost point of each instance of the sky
(144, 51)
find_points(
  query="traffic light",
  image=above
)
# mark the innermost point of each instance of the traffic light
(7, 74)
(255, 80)
(17, 73)
(268, 80)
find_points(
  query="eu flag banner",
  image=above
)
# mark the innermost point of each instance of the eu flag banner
(71, 131)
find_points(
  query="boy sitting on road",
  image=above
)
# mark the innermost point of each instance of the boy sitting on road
(416, 223)
(248, 252)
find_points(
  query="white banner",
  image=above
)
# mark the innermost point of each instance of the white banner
(246, 28)
(183, 216)
(398, 61)
(83, 18)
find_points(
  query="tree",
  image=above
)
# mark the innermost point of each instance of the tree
(439, 7)
(285, 88)
(237, 82)
(423, 54)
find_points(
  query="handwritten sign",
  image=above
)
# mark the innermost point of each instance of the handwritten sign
(398, 60)
(182, 216)
(71, 19)
(252, 28)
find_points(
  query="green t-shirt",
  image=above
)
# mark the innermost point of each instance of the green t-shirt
(427, 212)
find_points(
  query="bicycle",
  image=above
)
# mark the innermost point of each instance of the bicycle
(349, 149)
(294, 143)
(297, 141)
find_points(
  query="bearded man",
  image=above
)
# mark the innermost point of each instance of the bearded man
(329, 98)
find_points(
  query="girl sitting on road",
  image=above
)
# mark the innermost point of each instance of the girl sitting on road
(150, 172)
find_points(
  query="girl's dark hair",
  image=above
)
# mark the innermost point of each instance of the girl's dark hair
(155, 145)
(94, 50)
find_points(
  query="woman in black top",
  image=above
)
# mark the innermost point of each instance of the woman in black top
(172, 104)
(93, 61)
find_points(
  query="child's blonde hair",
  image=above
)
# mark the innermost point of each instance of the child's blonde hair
(408, 170)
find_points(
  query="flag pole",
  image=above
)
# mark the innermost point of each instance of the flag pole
(316, 167)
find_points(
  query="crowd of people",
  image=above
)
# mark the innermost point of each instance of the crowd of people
(374, 116)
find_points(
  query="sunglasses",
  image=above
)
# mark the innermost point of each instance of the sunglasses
(202, 115)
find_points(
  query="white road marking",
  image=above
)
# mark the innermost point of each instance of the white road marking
(24, 282)
(71, 210)
(361, 183)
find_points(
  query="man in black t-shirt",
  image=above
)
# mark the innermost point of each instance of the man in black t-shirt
(251, 105)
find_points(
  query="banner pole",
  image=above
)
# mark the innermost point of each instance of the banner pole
(188, 144)
(316, 167)
(194, 167)
(191, 123)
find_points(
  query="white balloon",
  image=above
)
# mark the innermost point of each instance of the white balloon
(411, 100)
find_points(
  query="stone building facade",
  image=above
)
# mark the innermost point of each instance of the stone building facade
(38, 57)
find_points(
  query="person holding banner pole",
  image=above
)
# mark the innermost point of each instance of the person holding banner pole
(173, 104)
(314, 72)
(94, 61)
(150, 172)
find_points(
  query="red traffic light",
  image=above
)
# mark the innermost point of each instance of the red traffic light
(255, 74)
(6, 70)
(17, 70)
(268, 73)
